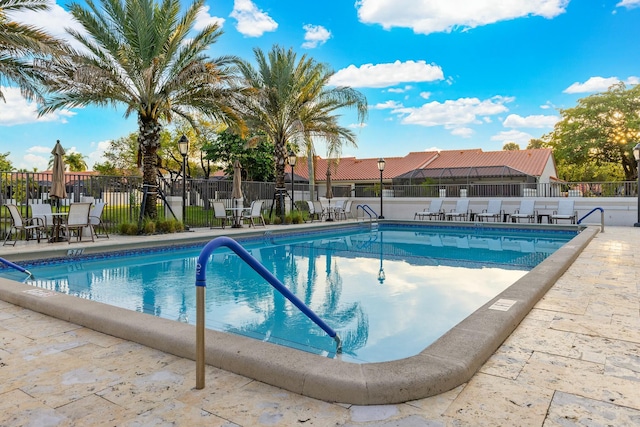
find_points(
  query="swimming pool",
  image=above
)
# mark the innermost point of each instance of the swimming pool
(388, 292)
(444, 365)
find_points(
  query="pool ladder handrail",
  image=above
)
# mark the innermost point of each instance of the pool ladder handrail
(201, 284)
(601, 217)
(367, 209)
(16, 267)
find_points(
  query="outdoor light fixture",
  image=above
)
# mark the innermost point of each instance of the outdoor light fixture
(381, 164)
(183, 148)
(292, 162)
(636, 154)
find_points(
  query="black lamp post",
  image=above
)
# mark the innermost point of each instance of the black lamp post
(381, 164)
(183, 147)
(636, 154)
(292, 162)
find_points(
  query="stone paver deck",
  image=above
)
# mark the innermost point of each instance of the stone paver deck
(574, 360)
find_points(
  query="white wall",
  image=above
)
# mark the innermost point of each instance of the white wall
(618, 211)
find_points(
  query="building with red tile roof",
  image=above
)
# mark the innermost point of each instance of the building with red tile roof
(447, 166)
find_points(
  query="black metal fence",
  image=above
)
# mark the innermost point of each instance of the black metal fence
(124, 195)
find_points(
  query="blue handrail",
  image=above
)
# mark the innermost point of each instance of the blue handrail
(601, 217)
(201, 284)
(16, 266)
(367, 209)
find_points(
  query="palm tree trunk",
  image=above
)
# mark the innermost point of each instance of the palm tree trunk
(149, 140)
(281, 155)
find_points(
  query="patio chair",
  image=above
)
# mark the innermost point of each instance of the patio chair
(313, 214)
(525, 211)
(254, 213)
(317, 207)
(78, 220)
(219, 212)
(566, 211)
(43, 211)
(494, 210)
(95, 218)
(30, 226)
(344, 211)
(434, 210)
(461, 211)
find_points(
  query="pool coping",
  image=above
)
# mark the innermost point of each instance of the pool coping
(450, 361)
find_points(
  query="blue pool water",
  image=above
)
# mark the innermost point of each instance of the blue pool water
(388, 293)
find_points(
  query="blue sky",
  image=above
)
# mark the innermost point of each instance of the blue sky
(445, 74)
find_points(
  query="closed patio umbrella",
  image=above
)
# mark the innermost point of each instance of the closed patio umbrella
(58, 189)
(236, 191)
(329, 194)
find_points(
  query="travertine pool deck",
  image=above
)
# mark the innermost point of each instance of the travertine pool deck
(574, 360)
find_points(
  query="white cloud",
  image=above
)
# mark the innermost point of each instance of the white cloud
(536, 121)
(453, 113)
(599, 84)
(425, 17)
(385, 75)
(547, 105)
(386, 105)
(97, 155)
(252, 22)
(520, 138)
(425, 95)
(30, 161)
(400, 89)
(629, 4)
(18, 111)
(39, 149)
(357, 125)
(54, 22)
(463, 132)
(314, 36)
(594, 84)
(203, 19)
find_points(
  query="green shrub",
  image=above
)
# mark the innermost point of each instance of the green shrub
(148, 226)
(128, 228)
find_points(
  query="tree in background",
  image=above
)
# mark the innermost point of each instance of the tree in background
(291, 104)
(255, 155)
(597, 136)
(21, 44)
(120, 157)
(5, 163)
(146, 56)
(74, 161)
(511, 146)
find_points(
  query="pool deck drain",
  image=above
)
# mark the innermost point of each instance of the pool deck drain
(576, 356)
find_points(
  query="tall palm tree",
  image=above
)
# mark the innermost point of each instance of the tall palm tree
(21, 44)
(144, 55)
(292, 103)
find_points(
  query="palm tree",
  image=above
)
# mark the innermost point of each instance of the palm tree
(143, 55)
(292, 104)
(21, 44)
(74, 160)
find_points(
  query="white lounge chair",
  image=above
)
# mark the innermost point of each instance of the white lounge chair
(32, 227)
(43, 211)
(219, 212)
(255, 213)
(95, 218)
(565, 211)
(493, 210)
(433, 211)
(77, 220)
(461, 211)
(527, 210)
